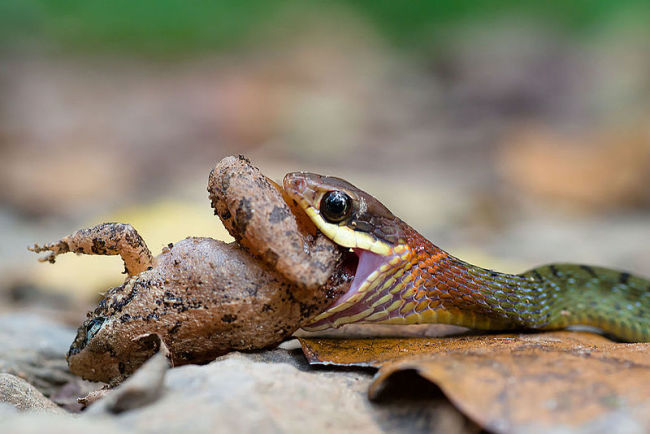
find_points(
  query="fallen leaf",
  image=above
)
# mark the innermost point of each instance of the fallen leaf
(514, 382)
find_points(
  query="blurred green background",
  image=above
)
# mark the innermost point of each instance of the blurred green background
(172, 27)
(510, 133)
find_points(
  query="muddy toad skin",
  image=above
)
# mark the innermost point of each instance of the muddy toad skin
(204, 297)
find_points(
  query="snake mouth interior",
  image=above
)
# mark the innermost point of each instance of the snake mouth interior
(365, 266)
(366, 263)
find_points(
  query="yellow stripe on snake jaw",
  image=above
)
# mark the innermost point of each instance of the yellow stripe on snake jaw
(347, 237)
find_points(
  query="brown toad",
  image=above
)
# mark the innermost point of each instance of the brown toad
(204, 297)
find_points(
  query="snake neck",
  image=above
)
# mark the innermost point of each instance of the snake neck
(425, 284)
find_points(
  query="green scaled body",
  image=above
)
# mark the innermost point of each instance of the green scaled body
(616, 302)
(559, 295)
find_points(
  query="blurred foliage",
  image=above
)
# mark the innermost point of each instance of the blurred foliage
(173, 27)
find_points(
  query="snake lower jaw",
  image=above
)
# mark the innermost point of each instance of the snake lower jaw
(352, 306)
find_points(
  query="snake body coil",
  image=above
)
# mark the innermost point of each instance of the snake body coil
(403, 278)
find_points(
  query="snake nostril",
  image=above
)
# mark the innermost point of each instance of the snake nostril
(293, 182)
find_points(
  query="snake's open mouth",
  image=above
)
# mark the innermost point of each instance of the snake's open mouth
(367, 263)
(370, 273)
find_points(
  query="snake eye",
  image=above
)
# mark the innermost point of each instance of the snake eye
(335, 206)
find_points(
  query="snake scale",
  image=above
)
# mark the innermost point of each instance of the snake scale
(403, 278)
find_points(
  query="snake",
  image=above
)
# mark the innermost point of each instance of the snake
(403, 278)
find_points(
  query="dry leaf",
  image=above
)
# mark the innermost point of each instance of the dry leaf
(514, 382)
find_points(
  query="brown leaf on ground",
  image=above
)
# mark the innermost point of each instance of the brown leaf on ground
(514, 382)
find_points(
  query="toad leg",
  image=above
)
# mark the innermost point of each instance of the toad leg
(104, 239)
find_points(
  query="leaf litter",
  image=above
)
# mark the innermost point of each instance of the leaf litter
(513, 382)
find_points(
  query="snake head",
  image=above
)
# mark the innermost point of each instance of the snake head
(355, 220)
(348, 216)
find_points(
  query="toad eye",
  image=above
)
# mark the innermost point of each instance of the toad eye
(335, 206)
(94, 326)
